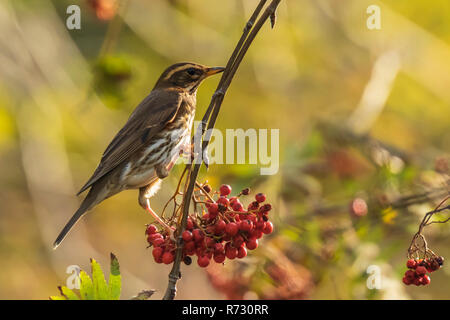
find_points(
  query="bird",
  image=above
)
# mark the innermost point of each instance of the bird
(144, 151)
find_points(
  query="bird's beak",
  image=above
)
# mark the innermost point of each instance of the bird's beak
(214, 70)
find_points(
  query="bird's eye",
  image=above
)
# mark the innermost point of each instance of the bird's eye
(192, 71)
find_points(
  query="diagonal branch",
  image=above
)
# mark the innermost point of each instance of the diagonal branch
(251, 29)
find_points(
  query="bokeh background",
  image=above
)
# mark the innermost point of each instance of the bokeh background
(363, 115)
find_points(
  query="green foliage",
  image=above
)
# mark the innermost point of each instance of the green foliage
(95, 288)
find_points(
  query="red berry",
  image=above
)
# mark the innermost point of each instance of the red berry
(151, 229)
(421, 270)
(406, 280)
(210, 242)
(187, 235)
(260, 225)
(411, 264)
(189, 246)
(242, 252)
(410, 274)
(157, 253)
(223, 201)
(231, 228)
(426, 280)
(253, 206)
(203, 261)
(237, 206)
(213, 208)
(260, 197)
(238, 241)
(256, 234)
(218, 248)
(417, 281)
(198, 235)
(252, 243)
(230, 251)
(225, 190)
(219, 257)
(168, 257)
(220, 227)
(158, 241)
(265, 208)
(245, 225)
(233, 200)
(268, 228)
(190, 224)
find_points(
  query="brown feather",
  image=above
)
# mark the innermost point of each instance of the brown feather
(150, 117)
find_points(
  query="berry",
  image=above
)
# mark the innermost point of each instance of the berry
(213, 208)
(231, 228)
(237, 206)
(242, 252)
(245, 225)
(219, 257)
(411, 264)
(421, 270)
(158, 241)
(220, 227)
(238, 241)
(252, 243)
(223, 201)
(260, 197)
(253, 206)
(426, 280)
(157, 253)
(168, 257)
(218, 248)
(187, 235)
(203, 261)
(265, 208)
(187, 260)
(406, 280)
(189, 224)
(246, 191)
(230, 251)
(207, 188)
(151, 229)
(410, 274)
(198, 235)
(210, 242)
(225, 190)
(268, 229)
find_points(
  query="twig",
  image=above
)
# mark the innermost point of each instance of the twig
(250, 31)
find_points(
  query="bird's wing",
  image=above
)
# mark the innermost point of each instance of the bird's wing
(149, 118)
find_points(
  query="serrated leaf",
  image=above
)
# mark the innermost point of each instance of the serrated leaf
(143, 295)
(115, 279)
(86, 287)
(98, 279)
(68, 293)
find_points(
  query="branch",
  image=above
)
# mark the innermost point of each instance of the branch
(209, 119)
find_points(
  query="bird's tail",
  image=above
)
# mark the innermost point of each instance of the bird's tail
(87, 204)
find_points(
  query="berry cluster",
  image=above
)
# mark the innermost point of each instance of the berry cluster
(225, 229)
(418, 269)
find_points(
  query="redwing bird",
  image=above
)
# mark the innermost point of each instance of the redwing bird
(145, 149)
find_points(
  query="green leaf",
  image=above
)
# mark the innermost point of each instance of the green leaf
(57, 298)
(86, 287)
(98, 278)
(115, 279)
(68, 293)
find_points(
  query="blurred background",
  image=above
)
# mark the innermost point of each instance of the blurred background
(364, 118)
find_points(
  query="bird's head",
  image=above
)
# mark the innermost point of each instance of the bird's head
(186, 76)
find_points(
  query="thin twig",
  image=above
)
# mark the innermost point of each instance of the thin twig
(250, 31)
